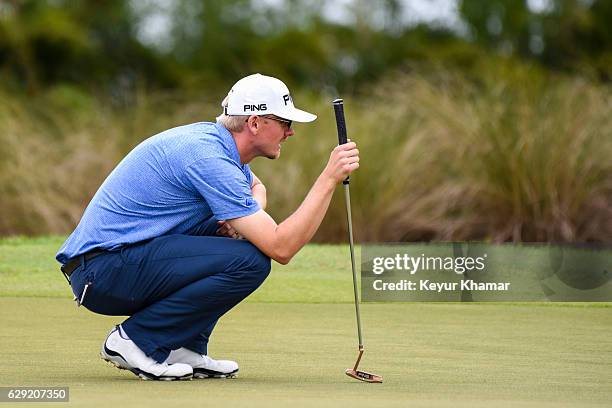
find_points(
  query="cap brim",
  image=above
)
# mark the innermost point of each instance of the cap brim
(298, 115)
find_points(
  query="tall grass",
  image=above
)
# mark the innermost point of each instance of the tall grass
(515, 155)
(57, 149)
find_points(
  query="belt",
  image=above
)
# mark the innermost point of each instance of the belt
(75, 262)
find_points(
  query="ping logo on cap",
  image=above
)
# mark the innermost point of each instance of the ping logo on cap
(253, 108)
(287, 98)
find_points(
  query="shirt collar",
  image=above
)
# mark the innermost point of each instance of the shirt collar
(226, 135)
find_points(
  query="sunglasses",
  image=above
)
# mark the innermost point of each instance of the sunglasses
(285, 122)
(280, 120)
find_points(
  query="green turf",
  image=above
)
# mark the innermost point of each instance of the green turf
(293, 354)
(316, 274)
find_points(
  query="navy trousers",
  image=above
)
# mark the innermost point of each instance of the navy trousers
(174, 287)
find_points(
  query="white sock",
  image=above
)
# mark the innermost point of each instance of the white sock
(123, 334)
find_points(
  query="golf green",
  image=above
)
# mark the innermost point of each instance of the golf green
(296, 335)
(295, 354)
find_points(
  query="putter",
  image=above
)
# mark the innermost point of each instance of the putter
(342, 139)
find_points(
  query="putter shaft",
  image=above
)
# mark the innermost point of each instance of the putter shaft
(358, 358)
(347, 197)
(354, 373)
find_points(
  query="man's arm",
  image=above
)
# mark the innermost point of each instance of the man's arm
(259, 192)
(282, 241)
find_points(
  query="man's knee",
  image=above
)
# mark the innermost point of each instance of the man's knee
(261, 262)
(258, 264)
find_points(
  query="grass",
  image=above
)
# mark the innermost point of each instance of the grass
(314, 276)
(294, 337)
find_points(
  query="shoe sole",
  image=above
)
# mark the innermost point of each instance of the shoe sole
(202, 373)
(118, 362)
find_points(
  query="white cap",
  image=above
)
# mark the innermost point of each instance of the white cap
(263, 95)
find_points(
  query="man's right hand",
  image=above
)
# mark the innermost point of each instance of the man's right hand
(344, 159)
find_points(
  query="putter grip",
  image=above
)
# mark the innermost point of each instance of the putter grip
(340, 122)
(341, 125)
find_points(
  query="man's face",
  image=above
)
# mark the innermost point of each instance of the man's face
(272, 133)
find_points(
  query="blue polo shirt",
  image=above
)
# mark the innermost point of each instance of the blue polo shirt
(168, 184)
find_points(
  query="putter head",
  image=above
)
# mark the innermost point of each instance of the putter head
(363, 376)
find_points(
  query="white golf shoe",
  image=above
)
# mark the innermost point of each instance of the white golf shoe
(126, 355)
(203, 366)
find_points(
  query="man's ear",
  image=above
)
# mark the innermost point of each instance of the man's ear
(253, 123)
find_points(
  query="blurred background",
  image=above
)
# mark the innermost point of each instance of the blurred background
(476, 120)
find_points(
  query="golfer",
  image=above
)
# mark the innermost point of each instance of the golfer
(177, 235)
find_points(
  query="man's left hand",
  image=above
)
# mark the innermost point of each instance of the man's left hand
(226, 230)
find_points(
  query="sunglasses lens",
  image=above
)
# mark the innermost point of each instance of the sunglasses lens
(284, 122)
